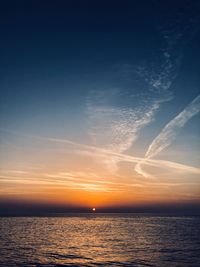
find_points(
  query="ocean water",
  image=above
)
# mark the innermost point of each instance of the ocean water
(100, 240)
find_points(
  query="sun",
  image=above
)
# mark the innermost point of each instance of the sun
(93, 209)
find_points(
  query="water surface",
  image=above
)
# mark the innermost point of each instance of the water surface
(100, 240)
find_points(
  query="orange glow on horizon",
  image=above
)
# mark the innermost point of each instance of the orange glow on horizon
(90, 187)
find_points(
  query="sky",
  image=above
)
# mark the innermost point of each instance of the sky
(100, 104)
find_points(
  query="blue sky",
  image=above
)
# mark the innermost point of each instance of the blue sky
(122, 76)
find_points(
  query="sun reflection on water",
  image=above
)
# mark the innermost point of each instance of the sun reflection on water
(86, 240)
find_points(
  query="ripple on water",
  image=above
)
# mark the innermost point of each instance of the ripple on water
(100, 240)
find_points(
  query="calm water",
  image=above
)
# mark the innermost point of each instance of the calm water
(100, 240)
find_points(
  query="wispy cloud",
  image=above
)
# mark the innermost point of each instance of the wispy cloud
(87, 181)
(169, 133)
(103, 153)
(116, 128)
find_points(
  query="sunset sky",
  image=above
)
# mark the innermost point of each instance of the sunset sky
(100, 103)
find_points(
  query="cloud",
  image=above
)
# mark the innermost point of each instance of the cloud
(160, 77)
(139, 170)
(113, 126)
(87, 180)
(103, 153)
(169, 133)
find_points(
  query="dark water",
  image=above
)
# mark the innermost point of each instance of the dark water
(100, 240)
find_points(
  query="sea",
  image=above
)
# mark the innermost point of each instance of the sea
(135, 240)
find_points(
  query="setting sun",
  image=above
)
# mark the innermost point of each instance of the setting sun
(93, 209)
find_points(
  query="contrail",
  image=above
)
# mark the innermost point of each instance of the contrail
(170, 131)
(168, 134)
(91, 150)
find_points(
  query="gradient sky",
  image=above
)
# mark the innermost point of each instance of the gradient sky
(100, 102)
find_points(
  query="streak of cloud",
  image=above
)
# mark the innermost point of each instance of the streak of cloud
(115, 127)
(105, 153)
(160, 78)
(169, 133)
